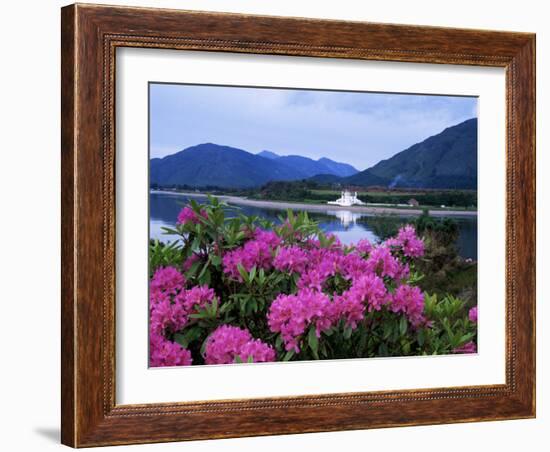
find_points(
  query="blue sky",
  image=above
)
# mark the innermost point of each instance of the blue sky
(356, 128)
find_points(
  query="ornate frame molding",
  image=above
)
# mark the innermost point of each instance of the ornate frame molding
(90, 37)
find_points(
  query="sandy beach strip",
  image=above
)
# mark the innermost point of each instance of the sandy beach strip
(283, 205)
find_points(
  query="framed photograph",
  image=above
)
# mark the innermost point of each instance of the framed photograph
(281, 225)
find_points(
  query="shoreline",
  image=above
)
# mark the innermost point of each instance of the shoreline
(283, 205)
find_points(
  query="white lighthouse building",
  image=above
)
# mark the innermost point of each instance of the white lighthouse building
(347, 200)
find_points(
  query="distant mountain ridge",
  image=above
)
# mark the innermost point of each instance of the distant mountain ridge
(210, 164)
(310, 167)
(445, 160)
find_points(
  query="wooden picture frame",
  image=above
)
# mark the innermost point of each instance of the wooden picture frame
(90, 36)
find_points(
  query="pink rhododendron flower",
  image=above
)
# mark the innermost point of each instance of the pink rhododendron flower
(323, 263)
(292, 315)
(167, 279)
(468, 347)
(227, 342)
(197, 296)
(364, 246)
(258, 351)
(224, 344)
(163, 352)
(270, 238)
(349, 308)
(170, 304)
(407, 240)
(290, 259)
(412, 246)
(382, 262)
(367, 290)
(167, 317)
(410, 301)
(370, 288)
(188, 215)
(252, 254)
(472, 314)
(353, 266)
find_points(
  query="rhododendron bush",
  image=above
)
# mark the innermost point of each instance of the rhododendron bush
(242, 290)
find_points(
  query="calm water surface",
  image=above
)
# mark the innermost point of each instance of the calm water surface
(350, 227)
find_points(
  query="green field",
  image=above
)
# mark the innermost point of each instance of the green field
(308, 192)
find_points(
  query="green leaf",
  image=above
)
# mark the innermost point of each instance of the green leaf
(170, 231)
(206, 278)
(313, 341)
(216, 260)
(191, 335)
(252, 274)
(288, 355)
(347, 332)
(193, 269)
(180, 339)
(421, 338)
(243, 272)
(402, 326)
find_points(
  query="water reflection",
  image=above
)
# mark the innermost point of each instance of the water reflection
(349, 226)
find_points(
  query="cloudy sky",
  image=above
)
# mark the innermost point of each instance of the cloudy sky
(356, 128)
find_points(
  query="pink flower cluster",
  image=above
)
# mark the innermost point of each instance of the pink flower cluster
(292, 315)
(383, 263)
(407, 241)
(167, 353)
(257, 252)
(409, 300)
(168, 280)
(367, 291)
(472, 314)
(170, 307)
(335, 285)
(290, 259)
(364, 246)
(322, 264)
(188, 215)
(228, 342)
(468, 347)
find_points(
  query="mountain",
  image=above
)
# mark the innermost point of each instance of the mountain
(305, 165)
(210, 164)
(337, 168)
(445, 160)
(268, 155)
(312, 167)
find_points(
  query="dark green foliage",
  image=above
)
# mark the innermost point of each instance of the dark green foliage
(164, 254)
(446, 273)
(287, 191)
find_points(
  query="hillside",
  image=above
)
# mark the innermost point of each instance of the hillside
(222, 166)
(210, 164)
(312, 167)
(445, 160)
